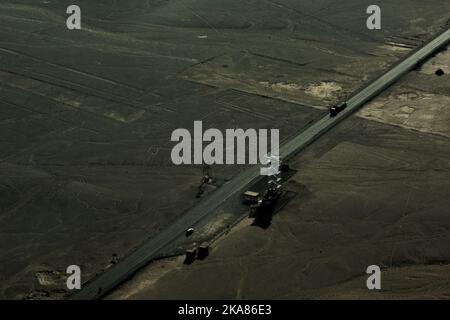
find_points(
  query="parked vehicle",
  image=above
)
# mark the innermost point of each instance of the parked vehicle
(251, 197)
(335, 110)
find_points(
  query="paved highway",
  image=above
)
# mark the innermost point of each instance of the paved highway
(114, 276)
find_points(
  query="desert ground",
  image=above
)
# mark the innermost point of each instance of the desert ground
(86, 118)
(369, 193)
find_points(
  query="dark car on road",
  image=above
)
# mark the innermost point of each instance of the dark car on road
(335, 110)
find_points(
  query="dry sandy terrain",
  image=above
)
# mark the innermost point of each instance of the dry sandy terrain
(86, 118)
(367, 201)
(421, 101)
(370, 192)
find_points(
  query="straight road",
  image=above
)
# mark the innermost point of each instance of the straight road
(367, 93)
(114, 276)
